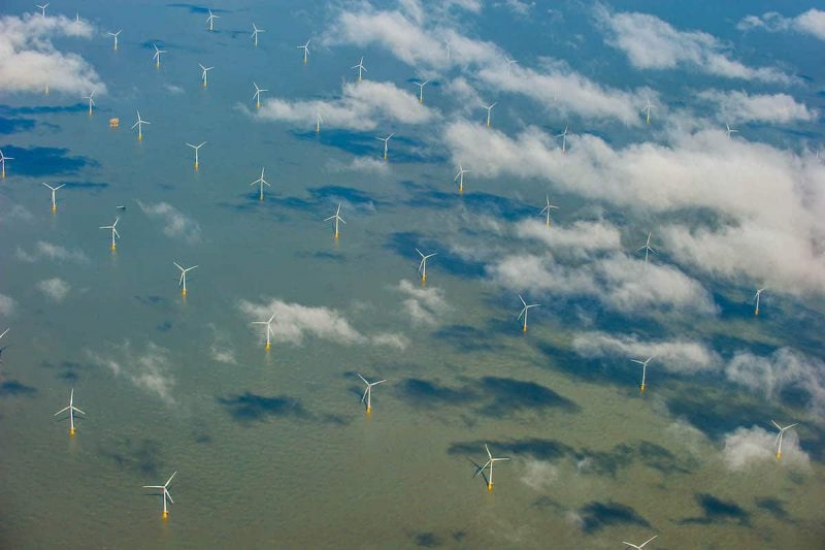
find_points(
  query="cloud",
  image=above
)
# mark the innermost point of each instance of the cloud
(7, 305)
(651, 43)
(811, 22)
(55, 288)
(47, 250)
(773, 108)
(366, 164)
(424, 305)
(362, 106)
(579, 239)
(220, 348)
(539, 475)
(294, 322)
(29, 61)
(783, 370)
(745, 447)
(177, 225)
(149, 371)
(680, 356)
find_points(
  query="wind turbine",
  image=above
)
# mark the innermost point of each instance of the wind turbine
(337, 218)
(647, 109)
(255, 32)
(182, 280)
(1, 349)
(460, 178)
(113, 227)
(156, 57)
(166, 494)
(269, 331)
(305, 47)
(386, 141)
(546, 210)
(422, 267)
(421, 90)
(729, 130)
(646, 247)
(261, 181)
(318, 121)
(140, 122)
(115, 35)
(54, 192)
(489, 111)
(779, 437)
(211, 20)
(644, 370)
(563, 137)
(196, 148)
(360, 68)
(639, 547)
(71, 408)
(368, 392)
(524, 311)
(257, 96)
(3, 159)
(490, 461)
(43, 8)
(204, 70)
(91, 99)
(756, 297)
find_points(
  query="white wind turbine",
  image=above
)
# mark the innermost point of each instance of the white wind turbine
(305, 47)
(1, 349)
(563, 137)
(182, 280)
(115, 35)
(156, 57)
(262, 182)
(204, 70)
(524, 311)
(91, 99)
(729, 130)
(318, 121)
(386, 141)
(422, 267)
(779, 437)
(489, 111)
(756, 297)
(140, 122)
(54, 192)
(490, 461)
(647, 109)
(43, 8)
(166, 495)
(269, 331)
(211, 20)
(337, 218)
(3, 159)
(367, 397)
(360, 68)
(421, 90)
(71, 408)
(546, 210)
(196, 148)
(647, 247)
(644, 370)
(460, 178)
(639, 547)
(255, 32)
(113, 227)
(257, 95)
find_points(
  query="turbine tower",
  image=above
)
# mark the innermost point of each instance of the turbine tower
(269, 331)
(422, 267)
(360, 68)
(140, 122)
(305, 47)
(779, 437)
(489, 111)
(54, 193)
(3, 159)
(386, 141)
(460, 178)
(71, 408)
(546, 210)
(257, 95)
(182, 280)
(262, 182)
(113, 227)
(644, 371)
(367, 397)
(166, 495)
(91, 99)
(255, 32)
(490, 461)
(337, 218)
(524, 311)
(115, 35)
(196, 148)
(756, 298)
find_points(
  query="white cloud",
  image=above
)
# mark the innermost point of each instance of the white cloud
(29, 61)
(149, 371)
(651, 43)
(294, 322)
(744, 447)
(580, 239)
(7, 305)
(177, 225)
(367, 164)
(539, 475)
(220, 348)
(737, 107)
(425, 306)
(784, 369)
(362, 106)
(47, 250)
(681, 356)
(391, 340)
(55, 288)
(811, 22)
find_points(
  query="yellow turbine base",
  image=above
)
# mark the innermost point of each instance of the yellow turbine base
(336, 234)
(90, 112)
(642, 388)
(369, 410)
(4, 173)
(488, 125)
(54, 208)
(262, 197)
(461, 190)
(756, 312)
(268, 345)
(71, 432)
(524, 328)
(140, 137)
(385, 156)
(317, 128)
(490, 487)
(547, 224)
(114, 247)
(257, 104)
(305, 61)
(165, 514)
(778, 455)
(183, 292)
(196, 166)
(204, 84)
(157, 65)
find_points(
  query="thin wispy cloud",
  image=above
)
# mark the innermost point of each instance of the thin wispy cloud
(424, 306)
(679, 356)
(811, 22)
(7, 305)
(176, 224)
(734, 107)
(55, 288)
(49, 251)
(150, 370)
(30, 62)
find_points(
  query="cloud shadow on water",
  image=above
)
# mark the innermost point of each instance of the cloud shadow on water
(467, 338)
(14, 388)
(402, 149)
(249, 407)
(142, 457)
(597, 515)
(67, 370)
(717, 511)
(15, 125)
(43, 161)
(508, 395)
(404, 244)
